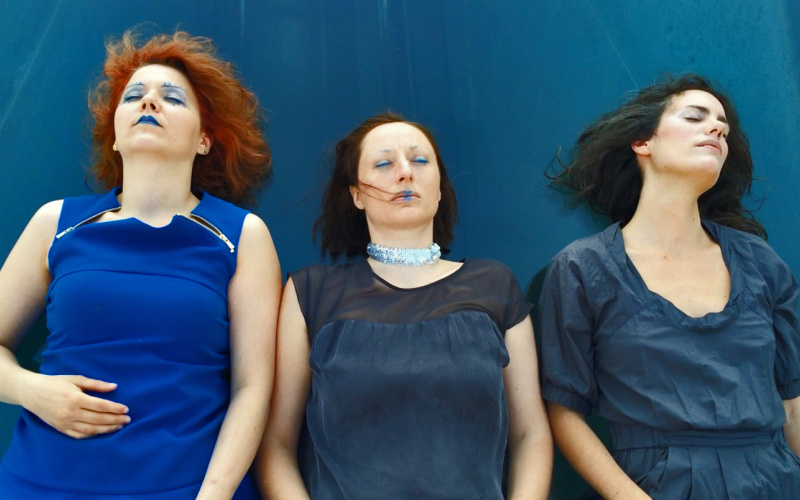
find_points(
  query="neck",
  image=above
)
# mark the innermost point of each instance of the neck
(667, 219)
(153, 189)
(402, 237)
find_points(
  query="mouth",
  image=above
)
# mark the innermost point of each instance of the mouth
(407, 195)
(712, 144)
(148, 120)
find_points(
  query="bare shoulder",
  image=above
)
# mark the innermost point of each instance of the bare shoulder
(44, 223)
(48, 213)
(255, 229)
(256, 247)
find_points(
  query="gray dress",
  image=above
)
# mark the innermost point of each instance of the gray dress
(695, 404)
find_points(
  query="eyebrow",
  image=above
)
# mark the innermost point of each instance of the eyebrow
(707, 111)
(413, 147)
(163, 85)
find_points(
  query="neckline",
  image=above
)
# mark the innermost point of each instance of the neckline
(115, 205)
(663, 306)
(464, 262)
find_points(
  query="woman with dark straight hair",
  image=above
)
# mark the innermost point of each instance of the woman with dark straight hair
(410, 374)
(678, 323)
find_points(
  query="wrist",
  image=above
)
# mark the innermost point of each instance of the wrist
(25, 384)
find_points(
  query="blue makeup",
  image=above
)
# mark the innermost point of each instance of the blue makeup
(149, 120)
(132, 92)
(407, 195)
(172, 93)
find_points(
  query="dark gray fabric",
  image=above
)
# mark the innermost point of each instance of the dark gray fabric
(407, 396)
(612, 346)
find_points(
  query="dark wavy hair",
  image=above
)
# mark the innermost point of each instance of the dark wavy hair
(604, 172)
(342, 228)
(239, 159)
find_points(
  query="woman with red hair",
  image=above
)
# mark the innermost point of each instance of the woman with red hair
(161, 295)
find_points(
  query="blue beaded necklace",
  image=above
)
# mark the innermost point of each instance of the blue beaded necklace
(404, 256)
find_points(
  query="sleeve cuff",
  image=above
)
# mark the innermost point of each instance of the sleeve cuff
(790, 390)
(566, 399)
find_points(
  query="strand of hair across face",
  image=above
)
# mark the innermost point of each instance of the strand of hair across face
(390, 193)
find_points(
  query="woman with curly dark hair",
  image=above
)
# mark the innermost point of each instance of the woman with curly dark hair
(677, 324)
(161, 294)
(409, 373)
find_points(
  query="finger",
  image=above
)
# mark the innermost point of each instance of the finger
(97, 418)
(100, 405)
(90, 384)
(85, 430)
(74, 434)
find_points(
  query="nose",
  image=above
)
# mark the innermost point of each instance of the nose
(149, 102)
(404, 171)
(718, 128)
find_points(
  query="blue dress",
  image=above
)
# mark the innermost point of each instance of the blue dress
(407, 396)
(694, 404)
(146, 308)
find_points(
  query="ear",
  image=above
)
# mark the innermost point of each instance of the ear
(641, 148)
(205, 144)
(356, 194)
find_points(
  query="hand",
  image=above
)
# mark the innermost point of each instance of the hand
(60, 401)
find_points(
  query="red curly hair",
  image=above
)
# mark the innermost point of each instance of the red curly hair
(229, 114)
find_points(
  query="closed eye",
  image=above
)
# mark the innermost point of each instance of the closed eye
(383, 163)
(131, 97)
(420, 159)
(174, 100)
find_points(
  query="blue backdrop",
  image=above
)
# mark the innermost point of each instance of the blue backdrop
(504, 85)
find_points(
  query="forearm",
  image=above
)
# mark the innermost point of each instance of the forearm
(530, 466)
(791, 428)
(279, 475)
(237, 442)
(15, 381)
(589, 456)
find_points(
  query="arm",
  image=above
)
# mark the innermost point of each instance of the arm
(587, 454)
(253, 301)
(279, 476)
(568, 327)
(58, 400)
(792, 425)
(529, 441)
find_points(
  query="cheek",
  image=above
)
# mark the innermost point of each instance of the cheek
(117, 119)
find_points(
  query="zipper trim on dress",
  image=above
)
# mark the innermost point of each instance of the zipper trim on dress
(194, 218)
(84, 221)
(210, 227)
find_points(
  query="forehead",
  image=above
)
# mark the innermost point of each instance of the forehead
(394, 135)
(696, 98)
(159, 74)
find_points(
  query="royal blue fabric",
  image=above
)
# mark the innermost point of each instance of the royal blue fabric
(407, 396)
(669, 383)
(147, 308)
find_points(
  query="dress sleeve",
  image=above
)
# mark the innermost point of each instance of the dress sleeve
(305, 287)
(517, 306)
(566, 329)
(787, 332)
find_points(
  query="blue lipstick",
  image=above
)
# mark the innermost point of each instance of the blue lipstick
(148, 119)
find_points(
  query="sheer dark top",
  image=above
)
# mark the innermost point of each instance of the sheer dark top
(407, 396)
